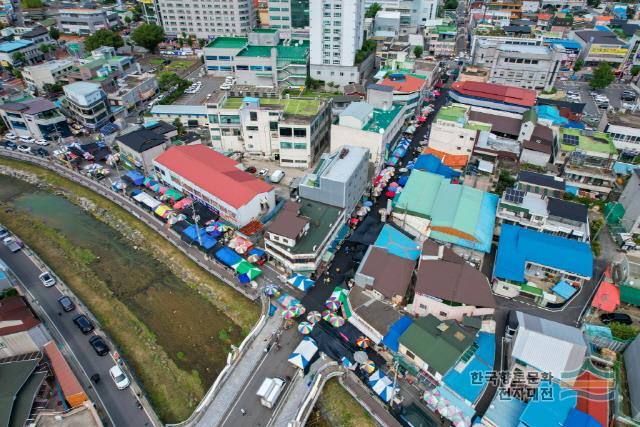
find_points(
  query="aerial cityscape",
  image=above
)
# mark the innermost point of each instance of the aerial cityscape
(320, 213)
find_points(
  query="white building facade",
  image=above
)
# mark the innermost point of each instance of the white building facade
(204, 19)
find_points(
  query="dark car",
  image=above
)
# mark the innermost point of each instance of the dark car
(66, 303)
(42, 152)
(83, 323)
(628, 96)
(9, 145)
(616, 317)
(251, 169)
(99, 345)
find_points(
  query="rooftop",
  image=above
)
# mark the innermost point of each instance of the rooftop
(542, 180)
(187, 110)
(19, 386)
(551, 410)
(398, 243)
(229, 42)
(12, 46)
(214, 173)
(141, 140)
(338, 166)
(322, 218)
(380, 315)
(293, 106)
(593, 141)
(381, 119)
(404, 83)
(507, 94)
(262, 51)
(82, 88)
(51, 65)
(600, 37)
(391, 274)
(289, 222)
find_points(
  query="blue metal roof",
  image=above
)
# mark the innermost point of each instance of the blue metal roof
(398, 328)
(397, 243)
(519, 245)
(577, 418)
(12, 46)
(550, 406)
(568, 44)
(505, 410)
(563, 289)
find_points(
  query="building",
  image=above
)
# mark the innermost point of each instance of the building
(20, 331)
(192, 116)
(375, 129)
(11, 51)
(441, 40)
(288, 14)
(448, 287)
(217, 181)
(541, 184)
(36, 117)
(294, 131)
(133, 90)
(300, 235)
(498, 97)
(624, 129)
(539, 144)
(631, 358)
(534, 337)
(386, 24)
(408, 89)
(412, 12)
(236, 17)
(85, 21)
(630, 200)
(434, 346)
(151, 12)
(483, 47)
(87, 104)
(548, 268)
(601, 46)
(339, 179)
(261, 59)
(588, 158)
(335, 39)
(549, 215)
(39, 35)
(50, 72)
(385, 275)
(138, 149)
(431, 206)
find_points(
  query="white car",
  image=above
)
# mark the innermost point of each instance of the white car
(225, 86)
(28, 139)
(43, 142)
(119, 377)
(24, 149)
(10, 135)
(47, 279)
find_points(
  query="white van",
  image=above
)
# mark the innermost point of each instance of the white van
(270, 391)
(277, 176)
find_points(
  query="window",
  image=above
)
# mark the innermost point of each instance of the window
(224, 58)
(273, 126)
(213, 119)
(443, 314)
(299, 133)
(300, 145)
(286, 145)
(252, 128)
(410, 355)
(211, 58)
(253, 116)
(285, 132)
(242, 67)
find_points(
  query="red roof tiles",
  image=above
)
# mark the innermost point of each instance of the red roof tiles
(593, 396)
(607, 297)
(17, 315)
(502, 93)
(214, 173)
(407, 85)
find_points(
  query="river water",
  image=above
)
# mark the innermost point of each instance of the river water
(194, 333)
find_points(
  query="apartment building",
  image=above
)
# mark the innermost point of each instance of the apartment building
(151, 12)
(624, 129)
(88, 104)
(294, 131)
(288, 14)
(530, 67)
(36, 117)
(203, 19)
(50, 72)
(85, 21)
(27, 48)
(412, 12)
(441, 40)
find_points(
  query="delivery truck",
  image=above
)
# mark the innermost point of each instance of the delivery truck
(270, 391)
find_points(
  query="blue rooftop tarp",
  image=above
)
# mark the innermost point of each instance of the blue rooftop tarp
(227, 256)
(395, 331)
(402, 181)
(256, 251)
(109, 128)
(577, 418)
(551, 113)
(472, 380)
(550, 406)
(206, 241)
(136, 177)
(621, 168)
(563, 289)
(431, 163)
(505, 411)
(519, 245)
(568, 44)
(397, 243)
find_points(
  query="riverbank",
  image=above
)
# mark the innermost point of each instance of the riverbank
(337, 408)
(173, 343)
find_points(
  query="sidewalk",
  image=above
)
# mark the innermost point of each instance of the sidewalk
(239, 375)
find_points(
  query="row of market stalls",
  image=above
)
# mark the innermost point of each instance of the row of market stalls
(244, 269)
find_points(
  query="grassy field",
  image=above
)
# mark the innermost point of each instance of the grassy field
(178, 65)
(341, 409)
(301, 107)
(156, 61)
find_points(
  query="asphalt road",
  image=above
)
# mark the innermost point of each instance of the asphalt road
(118, 408)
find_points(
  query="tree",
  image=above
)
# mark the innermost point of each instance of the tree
(127, 20)
(577, 66)
(635, 70)
(622, 331)
(54, 33)
(44, 48)
(190, 42)
(451, 4)
(103, 38)
(602, 76)
(31, 4)
(18, 58)
(593, 3)
(373, 9)
(179, 126)
(417, 51)
(148, 36)
(167, 79)
(202, 43)
(53, 89)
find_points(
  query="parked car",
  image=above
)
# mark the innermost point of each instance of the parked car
(628, 95)
(263, 172)
(27, 139)
(99, 345)
(83, 323)
(9, 145)
(3, 232)
(24, 149)
(119, 377)
(47, 279)
(66, 303)
(13, 244)
(42, 142)
(277, 176)
(10, 135)
(41, 152)
(251, 169)
(616, 317)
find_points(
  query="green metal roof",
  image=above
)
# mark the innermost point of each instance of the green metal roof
(419, 195)
(264, 51)
(264, 30)
(453, 113)
(15, 376)
(595, 141)
(322, 217)
(438, 343)
(381, 119)
(229, 42)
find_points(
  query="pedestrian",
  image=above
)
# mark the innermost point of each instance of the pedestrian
(243, 412)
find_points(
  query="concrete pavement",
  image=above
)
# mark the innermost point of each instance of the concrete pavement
(116, 407)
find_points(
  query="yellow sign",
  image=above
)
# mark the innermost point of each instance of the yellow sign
(601, 50)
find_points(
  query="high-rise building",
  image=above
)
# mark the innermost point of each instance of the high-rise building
(288, 14)
(412, 12)
(204, 18)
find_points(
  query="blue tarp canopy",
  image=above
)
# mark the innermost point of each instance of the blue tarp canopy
(206, 241)
(398, 328)
(382, 385)
(227, 256)
(136, 177)
(402, 181)
(577, 418)
(303, 353)
(551, 408)
(256, 251)
(109, 128)
(301, 282)
(431, 163)
(563, 289)
(397, 243)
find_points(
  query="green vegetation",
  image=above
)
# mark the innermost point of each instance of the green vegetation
(577, 66)
(11, 292)
(635, 70)
(417, 51)
(505, 180)
(31, 4)
(103, 38)
(179, 65)
(54, 33)
(451, 4)
(602, 76)
(372, 10)
(156, 61)
(168, 80)
(341, 408)
(179, 126)
(52, 89)
(295, 106)
(622, 331)
(550, 91)
(148, 36)
(18, 58)
(367, 47)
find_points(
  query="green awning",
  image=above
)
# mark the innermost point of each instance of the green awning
(531, 290)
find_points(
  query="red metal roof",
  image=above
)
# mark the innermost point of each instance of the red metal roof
(69, 384)
(607, 298)
(593, 396)
(17, 314)
(213, 172)
(407, 85)
(502, 93)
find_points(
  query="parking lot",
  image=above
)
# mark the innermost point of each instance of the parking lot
(613, 92)
(209, 85)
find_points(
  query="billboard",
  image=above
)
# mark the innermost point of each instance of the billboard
(605, 50)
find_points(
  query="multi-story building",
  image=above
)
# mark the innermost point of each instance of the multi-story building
(513, 7)
(483, 47)
(217, 181)
(288, 14)
(498, 97)
(151, 12)
(193, 116)
(36, 117)
(335, 39)
(563, 4)
(408, 89)
(203, 20)
(88, 104)
(8, 11)
(295, 131)
(630, 200)
(85, 21)
(39, 35)
(601, 46)
(51, 72)
(261, 59)
(12, 51)
(133, 90)
(587, 158)
(441, 40)
(624, 129)
(139, 148)
(339, 179)
(412, 12)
